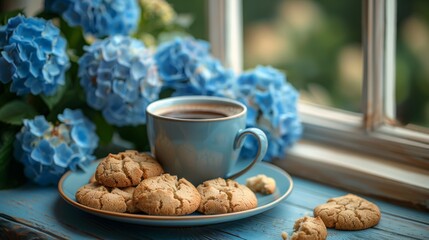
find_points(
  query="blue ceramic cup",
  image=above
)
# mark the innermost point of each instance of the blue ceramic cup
(200, 137)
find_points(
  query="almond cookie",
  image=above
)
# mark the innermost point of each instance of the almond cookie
(309, 228)
(166, 195)
(348, 212)
(261, 183)
(97, 196)
(225, 196)
(127, 169)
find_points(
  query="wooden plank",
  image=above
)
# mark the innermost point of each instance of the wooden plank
(325, 192)
(11, 228)
(43, 209)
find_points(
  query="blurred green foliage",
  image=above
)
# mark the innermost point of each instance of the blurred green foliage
(412, 62)
(318, 44)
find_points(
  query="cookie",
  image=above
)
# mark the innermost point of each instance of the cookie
(225, 196)
(127, 169)
(92, 179)
(348, 212)
(97, 196)
(166, 195)
(262, 184)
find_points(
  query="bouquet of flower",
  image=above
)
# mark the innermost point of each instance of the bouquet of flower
(76, 79)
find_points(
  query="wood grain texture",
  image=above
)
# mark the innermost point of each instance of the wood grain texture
(11, 228)
(41, 210)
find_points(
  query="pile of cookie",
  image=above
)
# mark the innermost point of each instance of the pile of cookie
(349, 212)
(135, 182)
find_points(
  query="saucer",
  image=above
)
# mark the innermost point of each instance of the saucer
(72, 181)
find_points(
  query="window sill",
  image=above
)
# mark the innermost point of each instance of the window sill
(358, 173)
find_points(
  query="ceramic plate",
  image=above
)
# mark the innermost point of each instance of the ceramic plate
(72, 181)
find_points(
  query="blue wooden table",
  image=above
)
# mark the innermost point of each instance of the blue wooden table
(33, 211)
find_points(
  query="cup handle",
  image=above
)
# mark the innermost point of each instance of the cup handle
(262, 147)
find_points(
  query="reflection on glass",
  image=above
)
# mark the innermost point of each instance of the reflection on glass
(316, 43)
(412, 62)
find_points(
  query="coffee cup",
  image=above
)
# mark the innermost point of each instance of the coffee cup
(200, 137)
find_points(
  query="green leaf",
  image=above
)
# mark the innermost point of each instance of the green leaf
(4, 16)
(16, 111)
(137, 135)
(74, 36)
(5, 148)
(165, 93)
(10, 173)
(47, 15)
(5, 157)
(53, 100)
(5, 94)
(104, 130)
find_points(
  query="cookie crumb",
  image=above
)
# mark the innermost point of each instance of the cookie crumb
(309, 228)
(284, 235)
(262, 184)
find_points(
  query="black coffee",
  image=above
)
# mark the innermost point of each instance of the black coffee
(194, 114)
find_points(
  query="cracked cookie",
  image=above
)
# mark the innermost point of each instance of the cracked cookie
(127, 169)
(348, 212)
(92, 179)
(261, 183)
(309, 228)
(97, 196)
(225, 196)
(166, 195)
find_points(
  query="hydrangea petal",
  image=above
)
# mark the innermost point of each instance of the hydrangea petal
(43, 153)
(63, 155)
(38, 126)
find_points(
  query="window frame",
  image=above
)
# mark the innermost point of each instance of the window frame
(374, 134)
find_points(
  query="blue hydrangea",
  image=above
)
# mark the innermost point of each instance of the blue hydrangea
(47, 150)
(272, 107)
(99, 18)
(120, 78)
(207, 77)
(178, 59)
(33, 56)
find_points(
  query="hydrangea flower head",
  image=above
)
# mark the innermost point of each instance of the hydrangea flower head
(178, 59)
(207, 77)
(120, 78)
(99, 18)
(272, 106)
(47, 150)
(33, 56)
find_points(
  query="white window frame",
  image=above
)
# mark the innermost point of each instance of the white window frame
(366, 153)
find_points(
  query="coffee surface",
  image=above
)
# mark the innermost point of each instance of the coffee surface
(194, 114)
(199, 111)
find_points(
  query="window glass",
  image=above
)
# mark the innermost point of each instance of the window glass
(316, 43)
(412, 62)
